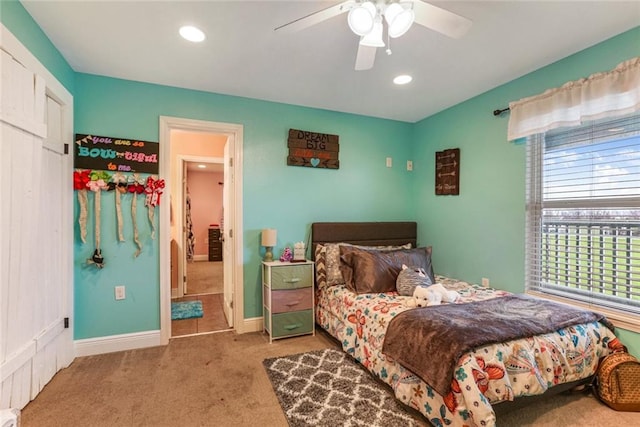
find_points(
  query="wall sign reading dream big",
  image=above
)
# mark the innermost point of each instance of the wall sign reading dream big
(115, 154)
(313, 149)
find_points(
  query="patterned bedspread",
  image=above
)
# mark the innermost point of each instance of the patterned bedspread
(485, 376)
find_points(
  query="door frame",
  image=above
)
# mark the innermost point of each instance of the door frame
(179, 213)
(235, 134)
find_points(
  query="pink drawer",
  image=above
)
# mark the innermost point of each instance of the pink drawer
(283, 301)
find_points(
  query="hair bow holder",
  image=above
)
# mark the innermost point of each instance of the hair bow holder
(153, 190)
(80, 180)
(97, 183)
(119, 184)
(135, 187)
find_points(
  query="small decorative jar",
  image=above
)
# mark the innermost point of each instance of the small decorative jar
(299, 251)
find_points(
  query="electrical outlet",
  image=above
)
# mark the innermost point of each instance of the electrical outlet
(120, 292)
(409, 165)
(485, 282)
(389, 162)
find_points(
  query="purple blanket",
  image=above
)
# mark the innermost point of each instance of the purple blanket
(416, 338)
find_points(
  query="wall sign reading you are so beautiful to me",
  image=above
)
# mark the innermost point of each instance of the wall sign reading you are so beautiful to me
(115, 154)
(313, 150)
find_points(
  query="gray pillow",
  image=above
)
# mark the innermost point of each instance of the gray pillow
(374, 271)
(332, 259)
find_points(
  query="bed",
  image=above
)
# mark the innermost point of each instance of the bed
(485, 379)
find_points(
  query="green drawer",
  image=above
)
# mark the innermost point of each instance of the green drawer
(291, 276)
(293, 323)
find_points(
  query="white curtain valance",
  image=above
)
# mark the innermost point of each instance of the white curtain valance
(607, 94)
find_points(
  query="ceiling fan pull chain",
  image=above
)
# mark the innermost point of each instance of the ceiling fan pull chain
(388, 44)
(367, 19)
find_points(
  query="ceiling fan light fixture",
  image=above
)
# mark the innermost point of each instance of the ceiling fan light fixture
(374, 38)
(361, 18)
(399, 19)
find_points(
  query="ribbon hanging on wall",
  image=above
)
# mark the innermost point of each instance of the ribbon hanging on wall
(153, 190)
(135, 187)
(97, 183)
(80, 180)
(119, 184)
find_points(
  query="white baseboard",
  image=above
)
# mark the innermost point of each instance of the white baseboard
(253, 324)
(201, 257)
(109, 344)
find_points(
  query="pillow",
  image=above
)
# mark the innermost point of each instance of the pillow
(367, 271)
(332, 259)
(321, 270)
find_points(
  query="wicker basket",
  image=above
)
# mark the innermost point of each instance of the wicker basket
(618, 382)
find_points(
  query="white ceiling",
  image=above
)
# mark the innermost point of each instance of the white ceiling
(243, 56)
(209, 167)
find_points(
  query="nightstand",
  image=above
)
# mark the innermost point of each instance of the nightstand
(287, 299)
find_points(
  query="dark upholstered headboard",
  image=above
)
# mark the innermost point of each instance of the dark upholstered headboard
(364, 233)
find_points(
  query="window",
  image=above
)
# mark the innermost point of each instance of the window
(583, 215)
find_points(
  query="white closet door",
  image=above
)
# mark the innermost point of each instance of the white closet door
(36, 226)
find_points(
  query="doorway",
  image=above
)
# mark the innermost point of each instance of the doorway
(198, 232)
(229, 223)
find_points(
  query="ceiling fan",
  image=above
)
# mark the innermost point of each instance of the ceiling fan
(366, 18)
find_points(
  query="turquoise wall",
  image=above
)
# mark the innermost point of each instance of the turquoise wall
(477, 234)
(274, 195)
(480, 233)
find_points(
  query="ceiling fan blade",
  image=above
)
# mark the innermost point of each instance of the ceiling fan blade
(365, 57)
(316, 17)
(440, 20)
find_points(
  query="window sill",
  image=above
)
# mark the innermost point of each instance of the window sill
(619, 319)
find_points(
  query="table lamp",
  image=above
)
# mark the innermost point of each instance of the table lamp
(269, 236)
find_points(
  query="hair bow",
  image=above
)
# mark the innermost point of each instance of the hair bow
(97, 185)
(154, 190)
(80, 179)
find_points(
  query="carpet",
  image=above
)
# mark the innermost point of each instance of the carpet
(186, 310)
(205, 277)
(329, 388)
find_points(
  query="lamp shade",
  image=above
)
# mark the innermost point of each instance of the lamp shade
(361, 18)
(269, 237)
(399, 19)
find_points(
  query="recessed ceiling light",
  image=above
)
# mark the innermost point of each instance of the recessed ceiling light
(402, 79)
(202, 166)
(192, 33)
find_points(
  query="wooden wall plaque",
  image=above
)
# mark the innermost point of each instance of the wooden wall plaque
(313, 150)
(448, 172)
